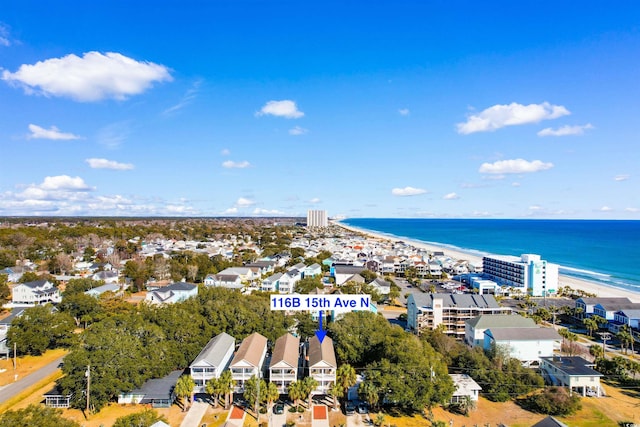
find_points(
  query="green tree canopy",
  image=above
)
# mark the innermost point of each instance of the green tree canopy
(39, 329)
(36, 415)
(145, 418)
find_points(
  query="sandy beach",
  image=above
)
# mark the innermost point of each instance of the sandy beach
(563, 280)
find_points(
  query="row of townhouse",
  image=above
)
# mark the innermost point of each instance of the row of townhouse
(284, 366)
(616, 311)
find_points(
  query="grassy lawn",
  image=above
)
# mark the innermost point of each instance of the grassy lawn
(26, 365)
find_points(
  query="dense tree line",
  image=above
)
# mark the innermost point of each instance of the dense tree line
(399, 369)
(502, 378)
(125, 345)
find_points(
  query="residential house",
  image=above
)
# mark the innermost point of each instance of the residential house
(573, 372)
(261, 267)
(248, 360)
(287, 283)
(629, 317)
(381, 286)
(6, 322)
(283, 367)
(172, 294)
(231, 281)
(608, 311)
(312, 270)
(107, 276)
(99, 290)
(55, 399)
(157, 392)
(271, 283)
(37, 292)
(212, 360)
(15, 273)
(465, 388)
(322, 364)
(527, 345)
(474, 328)
(586, 305)
(430, 311)
(343, 273)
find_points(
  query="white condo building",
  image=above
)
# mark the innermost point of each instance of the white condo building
(528, 273)
(317, 218)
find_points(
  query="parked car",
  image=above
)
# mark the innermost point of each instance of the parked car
(363, 409)
(278, 408)
(350, 408)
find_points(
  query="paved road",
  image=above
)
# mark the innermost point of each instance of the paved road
(12, 389)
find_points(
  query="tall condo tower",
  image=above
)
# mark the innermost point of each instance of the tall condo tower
(316, 218)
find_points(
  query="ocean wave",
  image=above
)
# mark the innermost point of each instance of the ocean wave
(568, 270)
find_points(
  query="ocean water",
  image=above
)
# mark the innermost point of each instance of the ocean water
(604, 252)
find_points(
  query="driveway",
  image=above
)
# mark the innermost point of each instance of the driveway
(278, 420)
(195, 414)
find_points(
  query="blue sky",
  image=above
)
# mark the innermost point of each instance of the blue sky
(365, 109)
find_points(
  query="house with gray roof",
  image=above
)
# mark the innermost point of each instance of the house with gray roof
(587, 304)
(171, 294)
(527, 345)
(157, 392)
(271, 283)
(99, 290)
(474, 328)
(212, 360)
(285, 360)
(573, 372)
(36, 292)
(343, 273)
(448, 311)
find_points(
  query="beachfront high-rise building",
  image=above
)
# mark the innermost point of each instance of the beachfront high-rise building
(317, 218)
(529, 273)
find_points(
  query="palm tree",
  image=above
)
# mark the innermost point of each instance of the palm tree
(369, 392)
(183, 389)
(296, 392)
(308, 385)
(337, 392)
(625, 338)
(226, 384)
(271, 394)
(591, 324)
(212, 388)
(345, 378)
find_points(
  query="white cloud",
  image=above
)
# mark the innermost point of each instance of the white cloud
(407, 191)
(64, 182)
(605, 209)
(286, 108)
(230, 211)
(515, 184)
(565, 130)
(621, 177)
(298, 131)
(499, 116)
(451, 196)
(4, 35)
(108, 164)
(404, 111)
(186, 99)
(230, 164)
(267, 212)
(113, 135)
(244, 203)
(53, 132)
(92, 77)
(632, 210)
(315, 200)
(514, 166)
(225, 152)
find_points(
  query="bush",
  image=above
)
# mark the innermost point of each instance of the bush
(553, 401)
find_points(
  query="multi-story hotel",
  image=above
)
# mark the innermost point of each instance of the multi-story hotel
(317, 218)
(529, 273)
